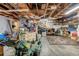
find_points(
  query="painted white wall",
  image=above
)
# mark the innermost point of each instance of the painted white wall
(4, 26)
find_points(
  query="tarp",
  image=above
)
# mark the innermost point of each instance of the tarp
(2, 36)
(71, 29)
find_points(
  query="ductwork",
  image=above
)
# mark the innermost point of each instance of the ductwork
(72, 8)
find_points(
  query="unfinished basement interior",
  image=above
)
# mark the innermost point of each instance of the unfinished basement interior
(39, 29)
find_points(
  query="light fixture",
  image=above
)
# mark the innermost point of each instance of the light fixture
(70, 11)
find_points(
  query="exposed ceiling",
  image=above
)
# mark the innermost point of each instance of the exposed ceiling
(51, 9)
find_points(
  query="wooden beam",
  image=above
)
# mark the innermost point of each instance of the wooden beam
(4, 14)
(14, 13)
(62, 10)
(37, 8)
(54, 10)
(27, 6)
(22, 6)
(1, 8)
(10, 14)
(18, 10)
(5, 4)
(13, 5)
(16, 16)
(30, 5)
(46, 9)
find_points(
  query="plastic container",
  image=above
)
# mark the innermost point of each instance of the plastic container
(74, 35)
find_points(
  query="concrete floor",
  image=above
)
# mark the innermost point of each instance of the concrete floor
(60, 40)
(58, 50)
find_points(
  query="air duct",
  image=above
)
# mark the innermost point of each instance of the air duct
(72, 8)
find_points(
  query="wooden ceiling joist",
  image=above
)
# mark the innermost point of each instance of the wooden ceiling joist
(62, 10)
(16, 16)
(54, 10)
(13, 9)
(46, 9)
(11, 6)
(1, 5)
(29, 5)
(1, 8)
(9, 14)
(6, 15)
(37, 8)
(22, 6)
(6, 6)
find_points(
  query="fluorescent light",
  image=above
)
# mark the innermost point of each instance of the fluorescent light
(72, 10)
